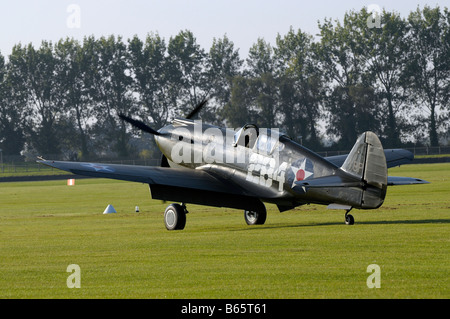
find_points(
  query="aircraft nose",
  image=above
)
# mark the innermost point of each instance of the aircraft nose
(163, 142)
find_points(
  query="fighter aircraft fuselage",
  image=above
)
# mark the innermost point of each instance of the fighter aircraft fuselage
(263, 161)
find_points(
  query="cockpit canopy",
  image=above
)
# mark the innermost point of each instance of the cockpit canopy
(264, 141)
(246, 136)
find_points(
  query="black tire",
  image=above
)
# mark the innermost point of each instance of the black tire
(349, 220)
(174, 217)
(254, 217)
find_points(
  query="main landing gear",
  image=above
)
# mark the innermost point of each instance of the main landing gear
(349, 220)
(255, 217)
(175, 216)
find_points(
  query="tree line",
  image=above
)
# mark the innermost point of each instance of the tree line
(392, 78)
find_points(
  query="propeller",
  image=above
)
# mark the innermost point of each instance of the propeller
(140, 125)
(144, 127)
(197, 109)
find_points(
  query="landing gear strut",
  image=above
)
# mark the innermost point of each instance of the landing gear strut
(349, 220)
(175, 216)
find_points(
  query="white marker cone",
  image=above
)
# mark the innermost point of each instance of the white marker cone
(109, 209)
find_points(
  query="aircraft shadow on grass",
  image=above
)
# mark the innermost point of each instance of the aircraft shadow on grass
(381, 222)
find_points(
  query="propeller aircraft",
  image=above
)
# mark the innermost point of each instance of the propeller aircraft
(215, 166)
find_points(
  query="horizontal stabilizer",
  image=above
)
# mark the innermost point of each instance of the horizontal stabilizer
(328, 181)
(395, 180)
(337, 181)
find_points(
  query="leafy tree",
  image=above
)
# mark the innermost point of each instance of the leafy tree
(223, 65)
(150, 78)
(266, 93)
(71, 73)
(110, 82)
(188, 78)
(11, 135)
(384, 51)
(260, 59)
(256, 90)
(429, 67)
(237, 111)
(295, 56)
(342, 62)
(33, 72)
(393, 80)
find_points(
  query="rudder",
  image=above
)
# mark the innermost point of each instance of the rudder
(367, 161)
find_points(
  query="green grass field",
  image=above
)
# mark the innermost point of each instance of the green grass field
(305, 253)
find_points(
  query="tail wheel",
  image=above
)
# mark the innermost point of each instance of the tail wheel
(255, 217)
(175, 217)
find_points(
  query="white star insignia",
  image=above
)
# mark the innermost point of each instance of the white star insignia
(300, 173)
(98, 167)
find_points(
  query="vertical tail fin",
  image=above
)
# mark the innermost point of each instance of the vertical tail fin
(368, 162)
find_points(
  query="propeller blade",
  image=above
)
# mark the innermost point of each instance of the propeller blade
(140, 125)
(197, 109)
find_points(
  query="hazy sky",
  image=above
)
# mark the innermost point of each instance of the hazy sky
(242, 20)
